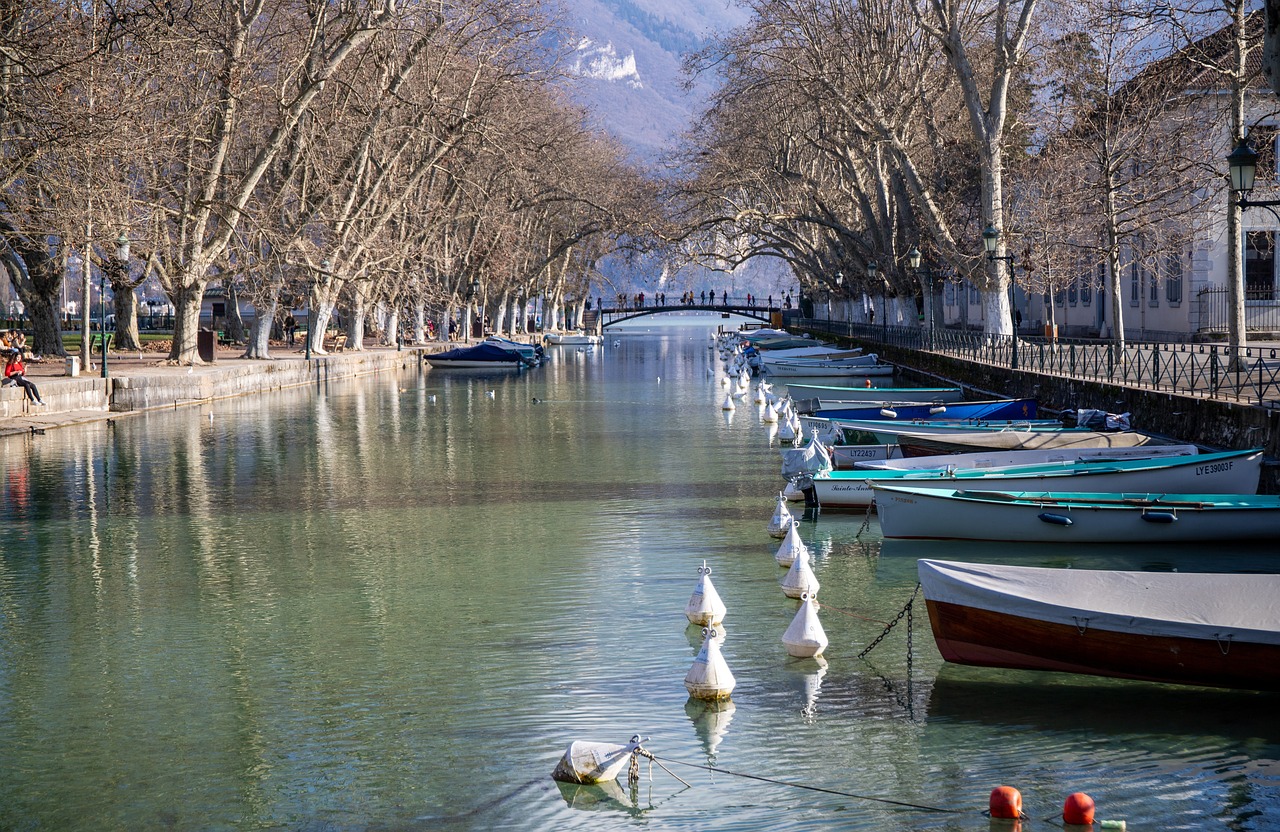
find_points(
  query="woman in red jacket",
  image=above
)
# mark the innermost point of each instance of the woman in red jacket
(15, 371)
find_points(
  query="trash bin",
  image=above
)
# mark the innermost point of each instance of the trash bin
(73, 365)
(204, 345)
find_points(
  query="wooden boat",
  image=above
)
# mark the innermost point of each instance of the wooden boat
(847, 457)
(887, 430)
(1074, 517)
(863, 367)
(1186, 628)
(1231, 472)
(898, 411)
(572, 339)
(874, 394)
(923, 444)
(1000, 459)
(481, 356)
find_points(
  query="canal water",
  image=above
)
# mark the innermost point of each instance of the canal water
(391, 603)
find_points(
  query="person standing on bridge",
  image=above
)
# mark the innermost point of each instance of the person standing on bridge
(725, 295)
(704, 297)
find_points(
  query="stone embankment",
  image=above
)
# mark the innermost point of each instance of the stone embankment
(144, 381)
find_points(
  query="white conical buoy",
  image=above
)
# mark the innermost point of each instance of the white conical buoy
(770, 416)
(781, 519)
(786, 432)
(709, 677)
(705, 606)
(792, 547)
(805, 637)
(728, 402)
(799, 578)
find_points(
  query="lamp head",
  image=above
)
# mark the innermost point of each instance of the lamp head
(872, 269)
(1242, 162)
(122, 246)
(839, 278)
(990, 238)
(913, 258)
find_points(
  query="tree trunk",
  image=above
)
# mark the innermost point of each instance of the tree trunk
(234, 326)
(501, 310)
(186, 300)
(420, 323)
(355, 321)
(258, 344)
(124, 303)
(38, 280)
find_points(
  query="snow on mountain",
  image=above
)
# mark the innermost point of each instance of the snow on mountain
(628, 64)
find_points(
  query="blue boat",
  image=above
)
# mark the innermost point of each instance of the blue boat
(997, 409)
(481, 356)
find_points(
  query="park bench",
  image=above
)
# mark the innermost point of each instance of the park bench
(95, 342)
(339, 343)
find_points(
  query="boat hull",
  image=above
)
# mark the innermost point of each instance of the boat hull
(937, 515)
(995, 459)
(571, 339)
(979, 625)
(914, 444)
(831, 408)
(874, 394)
(1236, 473)
(464, 364)
(796, 369)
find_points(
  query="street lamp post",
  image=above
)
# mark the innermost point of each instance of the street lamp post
(913, 259)
(991, 241)
(872, 271)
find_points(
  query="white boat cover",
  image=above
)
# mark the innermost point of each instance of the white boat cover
(1175, 604)
(809, 460)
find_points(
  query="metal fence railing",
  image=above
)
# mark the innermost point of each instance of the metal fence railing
(1247, 374)
(1261, 310)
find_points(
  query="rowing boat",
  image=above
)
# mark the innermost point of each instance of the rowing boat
(874, 394)
(1230, 472)
(1221, 630)
(1074, 517)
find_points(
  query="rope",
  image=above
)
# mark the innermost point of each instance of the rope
(776, 782)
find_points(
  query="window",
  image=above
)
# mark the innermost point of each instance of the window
(1153, 287)
(1073, 293)
(949, 293)
(1259, 265)
(975, 297)
(1135, 281)
(1173, 279)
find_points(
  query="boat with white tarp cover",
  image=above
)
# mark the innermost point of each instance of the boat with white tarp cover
(1074, 517)
(1220, 630)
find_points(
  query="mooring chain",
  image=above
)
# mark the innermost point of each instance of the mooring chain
(901, 614)
(866, 521)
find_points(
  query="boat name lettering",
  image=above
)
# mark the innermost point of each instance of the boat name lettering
(862, 486)
(1214, 468)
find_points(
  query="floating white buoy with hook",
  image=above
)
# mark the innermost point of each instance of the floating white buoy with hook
(594, 762)
(781, 519)
(805, 638)
(728, 402)
(759, 396)
(705, 606)
(709, 678)
(799, 578)
(792, 547)
(770, 416)
(786, 432)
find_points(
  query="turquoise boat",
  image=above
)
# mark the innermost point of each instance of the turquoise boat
(1229, 472)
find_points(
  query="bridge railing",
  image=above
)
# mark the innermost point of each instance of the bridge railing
(1249, 374)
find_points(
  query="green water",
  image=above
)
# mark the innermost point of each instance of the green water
(391, 603)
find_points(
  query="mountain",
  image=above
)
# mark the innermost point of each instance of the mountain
(628, 64)
(628, 68)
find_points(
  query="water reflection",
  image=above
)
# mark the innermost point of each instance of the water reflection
(710, 722)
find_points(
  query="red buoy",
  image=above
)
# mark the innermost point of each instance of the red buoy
(1078, 809)
(1006, 802)
(868, 382)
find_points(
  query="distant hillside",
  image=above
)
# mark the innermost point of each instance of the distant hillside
(628, 64)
